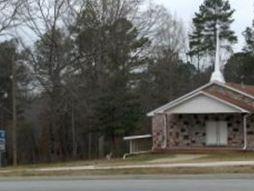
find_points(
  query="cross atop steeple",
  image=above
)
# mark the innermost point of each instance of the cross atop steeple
(217, 74)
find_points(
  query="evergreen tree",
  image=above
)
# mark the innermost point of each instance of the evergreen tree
(240, 68)
(249, 39)
(108, 50)
(203, 38)
(165, 80)
(196, 42)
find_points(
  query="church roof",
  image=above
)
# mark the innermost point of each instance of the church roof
(243, 88)
(233, 100)
(245, 92)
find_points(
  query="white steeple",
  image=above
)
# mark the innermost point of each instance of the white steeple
(217, 74)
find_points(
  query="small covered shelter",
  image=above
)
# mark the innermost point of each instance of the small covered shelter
(139, 143)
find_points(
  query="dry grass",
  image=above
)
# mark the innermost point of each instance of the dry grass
(135, 159)
(27, 170)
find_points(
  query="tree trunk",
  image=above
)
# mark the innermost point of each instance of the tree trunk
(73, 128)
(101, 146)
(89, 145)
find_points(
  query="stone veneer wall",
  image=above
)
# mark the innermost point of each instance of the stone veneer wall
(158, 134)
(189, 130)
(250, 132)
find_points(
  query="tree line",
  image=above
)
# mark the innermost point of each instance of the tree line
(77, 76)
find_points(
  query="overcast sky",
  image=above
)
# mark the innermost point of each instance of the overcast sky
(244, 13)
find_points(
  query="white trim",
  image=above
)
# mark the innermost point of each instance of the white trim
(165, 132)
(245, 132)
(245, 136)
(137, 137)
(182, 98)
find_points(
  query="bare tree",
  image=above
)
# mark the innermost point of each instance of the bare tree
(163, 29)
(47, 20)
(8, 20)
(9, 15)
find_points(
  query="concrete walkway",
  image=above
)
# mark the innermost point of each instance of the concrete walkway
(177, 158)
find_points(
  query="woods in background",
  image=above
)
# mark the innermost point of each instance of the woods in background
(87, 72)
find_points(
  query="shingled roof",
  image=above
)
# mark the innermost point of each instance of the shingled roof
(243, 88)
(232, 100)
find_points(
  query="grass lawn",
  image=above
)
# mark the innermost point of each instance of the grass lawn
(152, 158)
(27, 170)
(135, 159)
(136, 171)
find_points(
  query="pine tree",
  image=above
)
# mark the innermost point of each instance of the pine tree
(108, 49)
(203, 37)
(196, 42)
(249, 39)
(239, 67)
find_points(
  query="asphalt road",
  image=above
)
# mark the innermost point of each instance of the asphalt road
(175, 184)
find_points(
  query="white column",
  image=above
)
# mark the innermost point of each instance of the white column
(245, 131)
(131, 144)
(165, 131)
